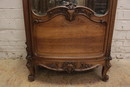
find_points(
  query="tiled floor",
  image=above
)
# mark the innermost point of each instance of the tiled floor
(13, 73)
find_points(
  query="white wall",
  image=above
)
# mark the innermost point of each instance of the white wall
(12, 33)
(121, 37)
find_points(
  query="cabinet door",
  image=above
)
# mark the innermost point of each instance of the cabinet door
(69, 28)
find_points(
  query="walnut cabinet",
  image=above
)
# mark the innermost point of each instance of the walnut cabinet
(69, 35)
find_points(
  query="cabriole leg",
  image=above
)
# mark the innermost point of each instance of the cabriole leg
(31, 68)
(105, 69)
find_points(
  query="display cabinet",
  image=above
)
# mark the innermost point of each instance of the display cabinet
(69, 35)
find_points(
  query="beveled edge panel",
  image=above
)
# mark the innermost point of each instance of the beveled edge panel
(76, 13)
(70, 13)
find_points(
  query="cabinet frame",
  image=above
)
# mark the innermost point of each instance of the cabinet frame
(34, 60)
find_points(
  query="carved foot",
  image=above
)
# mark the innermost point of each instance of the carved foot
(31, 78)
(105, 69)
(105, 78)
(31, 68)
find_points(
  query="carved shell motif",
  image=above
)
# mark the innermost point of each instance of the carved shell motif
(69, 67)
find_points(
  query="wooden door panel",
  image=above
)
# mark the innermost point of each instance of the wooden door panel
(60, 37)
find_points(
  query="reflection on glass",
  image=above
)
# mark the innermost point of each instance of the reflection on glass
(99, 6)
(40, 7)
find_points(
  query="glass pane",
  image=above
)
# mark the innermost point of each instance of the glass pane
(40, 7)
(99, 6)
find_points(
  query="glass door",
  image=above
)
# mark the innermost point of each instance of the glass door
(40, 7)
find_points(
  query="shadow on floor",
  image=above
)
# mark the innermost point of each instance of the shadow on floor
(54, 77)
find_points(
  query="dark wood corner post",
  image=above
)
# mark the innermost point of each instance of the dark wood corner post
(29, 58)
(111, 20)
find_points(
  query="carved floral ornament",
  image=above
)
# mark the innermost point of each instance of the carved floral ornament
(70, 66)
